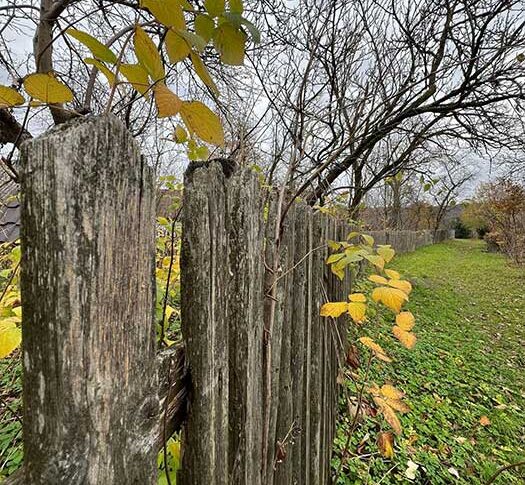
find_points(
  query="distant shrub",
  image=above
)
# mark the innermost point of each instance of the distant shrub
(461, 231)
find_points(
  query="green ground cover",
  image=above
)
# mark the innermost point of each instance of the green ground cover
(468, 365)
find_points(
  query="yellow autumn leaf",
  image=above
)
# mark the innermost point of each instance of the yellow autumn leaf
(137, 76)
(180, 135)
(385, 443)
(148, 54)
(46, 88)
(97, 48)
(167, 12)
(10, 97)
(369, 240)
(392, 274)
(405, 321)
(392, 298)
(204, 26)
(236, 6)
(202, 121)
(214, 7)
(357, 311)
(386, 252)
(387, 390)
(397, 405)
(334, 309)
(378, 279)
(177, 47)
(389, 414)
(10, 338)
(408, 339)
(375, 260)
(358, 297)
(230, 43)
(402, 285)
(202, 72)
(167, 102)
(376, 348)
(110, 76)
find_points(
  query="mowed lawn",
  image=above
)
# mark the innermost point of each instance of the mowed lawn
(465, 380)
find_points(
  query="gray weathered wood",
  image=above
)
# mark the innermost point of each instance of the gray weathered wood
(90, 378)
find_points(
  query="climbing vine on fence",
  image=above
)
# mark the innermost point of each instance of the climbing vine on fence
(390, 292)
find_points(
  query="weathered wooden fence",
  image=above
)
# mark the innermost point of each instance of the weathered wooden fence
(406, 241)
(99, 400)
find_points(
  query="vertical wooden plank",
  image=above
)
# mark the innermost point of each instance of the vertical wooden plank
(90, 380)
(297, 354)
(204, 281)
(245, 304)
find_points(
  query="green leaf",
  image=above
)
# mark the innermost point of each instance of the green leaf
(167, 12)
(236, 6)
(214, 7)
(103, 69)
(97, 48)
(177, 47)
(148, 55)
(193, 39)
(230, 44)
(254, 31)
(204, 26)
(199, 119)
(10, 97)
(46, 88)
(180, 135)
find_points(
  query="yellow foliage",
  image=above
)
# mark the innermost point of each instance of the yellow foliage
(386, 252)
(392, 274)
(358, 297)
(177, 47)
(357, 311)
(408, 339)
(10, 97)
(392, 298)
(376, 348)
(46, 88)
(167, 12)
(334, 309)
(375, 260)
(137, 76)
(402, 285)
(385, 443)
(110, 76)
(97, 48)
(405, 321)
(168, 103)
(203, 73)
(148, 55)
(378, 279)
(10, 337)
(391, 392)
(230, 43)
(389, 414)
(202, 121)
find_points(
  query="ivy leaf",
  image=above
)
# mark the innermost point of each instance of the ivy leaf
(202, 121)
(168, 103)
(392, 298)
(97, 48)
(405, 321)
(203, 73)
(408, 339)
(214, 7)
(148, 55)
(110, 76)
(137, 76)
(10, 338)
(230, 44)
(46, 88)
(334, 309)
(10, 97)
(167, 12)
(204, 26)
(177, 47)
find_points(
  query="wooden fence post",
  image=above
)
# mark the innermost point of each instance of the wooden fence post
(90, 379)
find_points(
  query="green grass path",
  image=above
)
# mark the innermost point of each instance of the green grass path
(469, 362)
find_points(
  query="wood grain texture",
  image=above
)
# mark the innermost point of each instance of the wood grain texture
(90, 379)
